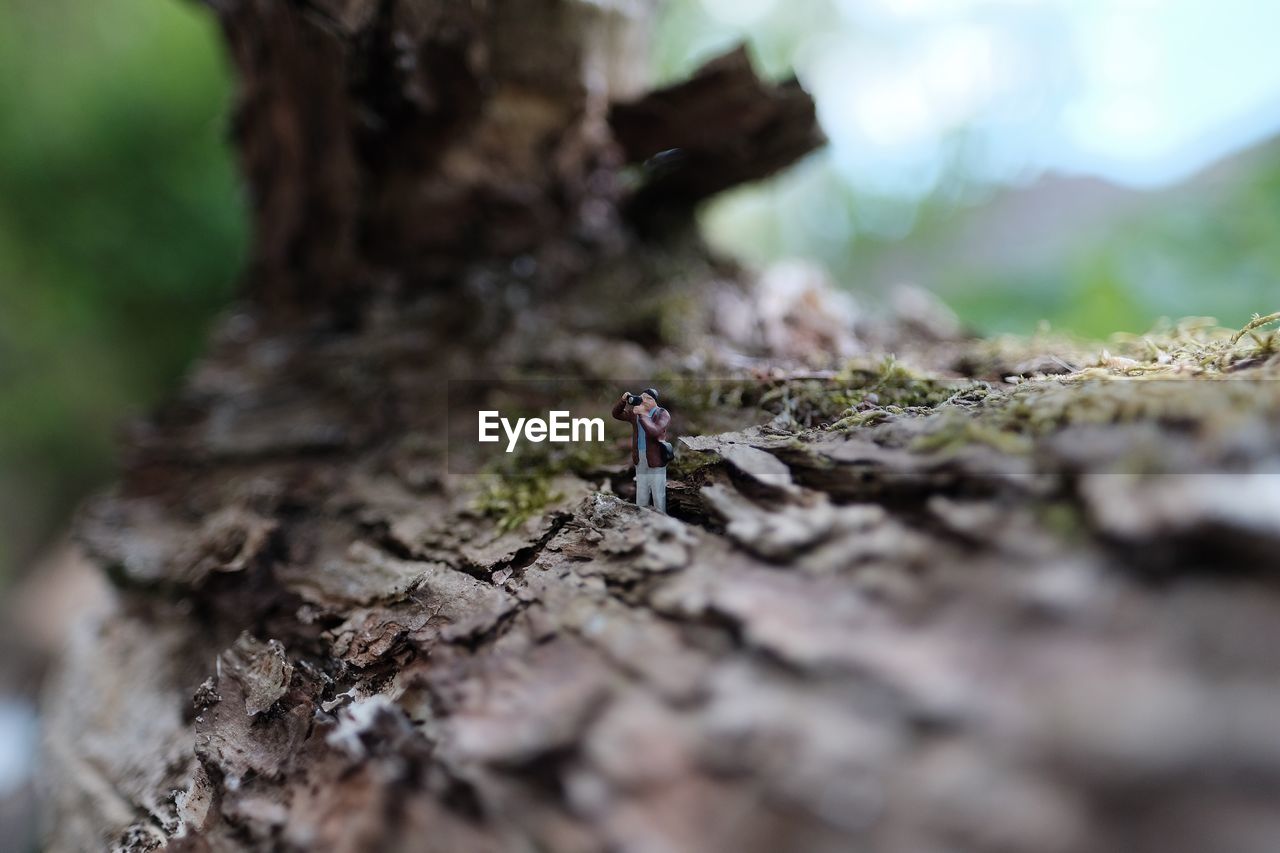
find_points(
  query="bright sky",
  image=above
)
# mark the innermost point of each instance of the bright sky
(1142, 92)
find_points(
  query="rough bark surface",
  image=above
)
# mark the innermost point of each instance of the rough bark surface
(985, 596)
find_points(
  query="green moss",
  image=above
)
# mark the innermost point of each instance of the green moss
(1196, 345)
(956, 431)
(585, 460)
(1113, 385)
(1134, 379)
(689, 463)
(520, 485)
(804, 403)
(1257, 322)
(1063, 519)
(861, 419)
(895, 384)
(514, 499)
(874, 394)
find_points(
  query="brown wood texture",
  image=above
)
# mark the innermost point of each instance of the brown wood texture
(886, 614)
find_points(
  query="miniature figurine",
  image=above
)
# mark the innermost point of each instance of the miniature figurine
(650, 450)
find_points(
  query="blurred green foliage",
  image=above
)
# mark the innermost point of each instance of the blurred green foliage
(1183, 252)
(1208, 248)
(121, 233)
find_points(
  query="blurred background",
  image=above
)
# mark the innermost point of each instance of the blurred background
(1091, 163)
(121, 233)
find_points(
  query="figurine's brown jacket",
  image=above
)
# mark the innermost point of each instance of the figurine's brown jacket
(655, 430)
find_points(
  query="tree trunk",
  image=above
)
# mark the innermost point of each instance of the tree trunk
(917, 606)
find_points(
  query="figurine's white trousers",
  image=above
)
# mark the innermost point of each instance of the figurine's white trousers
(651, 486)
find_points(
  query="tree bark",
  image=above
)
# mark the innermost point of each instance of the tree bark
(921, 604)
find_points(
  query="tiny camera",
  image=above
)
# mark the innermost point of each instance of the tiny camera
(634, 400)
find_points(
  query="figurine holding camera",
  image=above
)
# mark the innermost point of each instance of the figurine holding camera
(650, 449)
